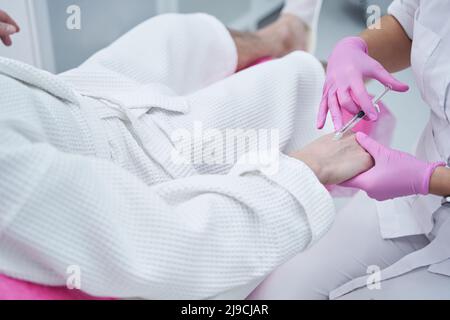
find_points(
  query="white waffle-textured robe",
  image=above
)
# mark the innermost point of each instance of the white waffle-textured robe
(86, 178)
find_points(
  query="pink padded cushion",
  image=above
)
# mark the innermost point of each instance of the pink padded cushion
(11, 289)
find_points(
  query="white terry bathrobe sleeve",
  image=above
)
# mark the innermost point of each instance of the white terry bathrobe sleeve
(190, 238)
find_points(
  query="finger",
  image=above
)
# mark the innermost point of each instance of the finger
(4, 17)
(326, 88)
(346, 102)
(323, 112)
(352, 183)
(358, 182)
(370, 145)
(323, 108)
(335, 110)
(7, 29)
(363, 99)
(6, 40)
(383, 76)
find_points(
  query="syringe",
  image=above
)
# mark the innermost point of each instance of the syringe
(361, 115)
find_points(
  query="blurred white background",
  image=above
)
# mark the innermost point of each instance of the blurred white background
(46, 42)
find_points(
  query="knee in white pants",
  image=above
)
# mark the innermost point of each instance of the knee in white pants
(306, 69)
(305, 76)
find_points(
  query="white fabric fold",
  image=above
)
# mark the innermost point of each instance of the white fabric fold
(132, 228)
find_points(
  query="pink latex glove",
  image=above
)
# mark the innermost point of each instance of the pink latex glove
(348, 67)
(395, 174)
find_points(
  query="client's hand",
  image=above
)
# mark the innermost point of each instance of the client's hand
(334, 162)
(7, 28)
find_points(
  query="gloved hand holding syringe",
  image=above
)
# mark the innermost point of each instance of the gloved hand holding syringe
(360, 116)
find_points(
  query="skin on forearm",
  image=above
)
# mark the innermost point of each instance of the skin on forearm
(440, 182)
(389, 45)
(280, 38)
(250, 47)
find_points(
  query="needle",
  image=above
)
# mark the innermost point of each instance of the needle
(361, 115)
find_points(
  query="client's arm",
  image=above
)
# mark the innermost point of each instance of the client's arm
(191, 238)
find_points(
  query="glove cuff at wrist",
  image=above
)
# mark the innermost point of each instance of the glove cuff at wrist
(425, 187)
(357, 42)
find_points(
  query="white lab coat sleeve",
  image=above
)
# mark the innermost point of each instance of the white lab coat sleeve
(184, 52)
(307, 10)
(405, 11)
(187, 239)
